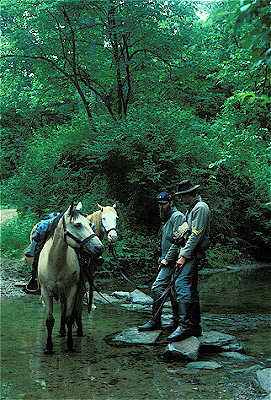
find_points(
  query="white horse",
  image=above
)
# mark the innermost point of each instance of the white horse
(59, 271)
(105, 220)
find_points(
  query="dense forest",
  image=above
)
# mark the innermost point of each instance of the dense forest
(108, 101)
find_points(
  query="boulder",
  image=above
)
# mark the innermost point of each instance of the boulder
(187, 349)
(264, 379)
(133, 336)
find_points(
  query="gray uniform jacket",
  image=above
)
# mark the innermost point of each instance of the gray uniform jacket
(169, 250)
(198, 219)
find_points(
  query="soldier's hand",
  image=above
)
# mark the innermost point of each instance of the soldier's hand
(180, 263)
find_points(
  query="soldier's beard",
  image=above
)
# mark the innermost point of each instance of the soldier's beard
(164, 211)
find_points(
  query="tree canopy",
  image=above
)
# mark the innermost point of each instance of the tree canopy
(119, 100)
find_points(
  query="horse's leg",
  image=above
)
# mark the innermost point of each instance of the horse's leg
(69, 318)
(50, 321)
(48, 300)
(78, 309)
(62, 330)
(69, 322)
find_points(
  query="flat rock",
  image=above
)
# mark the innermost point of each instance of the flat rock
(264, 379)
(204, 365)
(132, 335)
(236, 355)
(249, 370)
(125, 296)
(187, 349)
(139, 297)
(136, 297)
(218, 340)
(103, 298)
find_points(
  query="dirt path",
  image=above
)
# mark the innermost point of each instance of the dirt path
(7, 214)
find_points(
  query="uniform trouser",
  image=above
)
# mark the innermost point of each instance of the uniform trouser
(161, 283)
(186, 288)
(163, 279)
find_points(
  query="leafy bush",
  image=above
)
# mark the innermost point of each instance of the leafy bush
(15, 235)
(134, 159)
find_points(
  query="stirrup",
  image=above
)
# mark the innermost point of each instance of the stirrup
(34, 290)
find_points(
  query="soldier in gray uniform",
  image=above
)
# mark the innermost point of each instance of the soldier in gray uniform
(171, 220)
(191, 251)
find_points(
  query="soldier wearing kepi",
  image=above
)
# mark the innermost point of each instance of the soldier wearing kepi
(191, 250)
(171, 220)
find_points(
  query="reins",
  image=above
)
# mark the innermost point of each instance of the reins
(163, 295)
(137, 286)
(114, 255)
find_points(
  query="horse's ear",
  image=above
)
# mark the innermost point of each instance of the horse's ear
(79, 206)
(100, 207)
(114, 205)
(69, 211)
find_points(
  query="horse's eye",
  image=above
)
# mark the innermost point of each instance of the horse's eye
(78, 225)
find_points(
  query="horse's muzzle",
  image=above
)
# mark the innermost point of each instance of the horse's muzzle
(94, 248)
(112, 236)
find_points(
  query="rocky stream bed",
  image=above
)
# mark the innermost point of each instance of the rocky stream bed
(221, 348)
(217, 349)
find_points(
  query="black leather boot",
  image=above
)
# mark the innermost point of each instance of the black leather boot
(184, 330)
(175, 313)
(155, 322)
(195, 319)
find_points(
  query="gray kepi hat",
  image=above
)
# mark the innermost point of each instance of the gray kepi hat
(185, 187)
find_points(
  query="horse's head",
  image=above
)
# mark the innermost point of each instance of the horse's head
(78, 233)
(109, 221)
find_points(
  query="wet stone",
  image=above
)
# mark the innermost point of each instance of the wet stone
(139, 297)
(125, 296)
(221, 341)
(104, 298)
(133, 336)
(187, 349)
(236, 355)
(204, 365)
(264, 379)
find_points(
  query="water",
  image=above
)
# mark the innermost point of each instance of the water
(235, 303)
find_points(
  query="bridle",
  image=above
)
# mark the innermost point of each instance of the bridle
(106, 231)
(69, 234)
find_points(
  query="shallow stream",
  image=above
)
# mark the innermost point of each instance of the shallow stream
(237, 303)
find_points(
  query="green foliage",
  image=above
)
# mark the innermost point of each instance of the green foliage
(258, 38)
(15, 235)
(108, 102)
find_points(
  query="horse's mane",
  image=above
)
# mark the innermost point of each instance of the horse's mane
(95, 214)
(53, 226)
